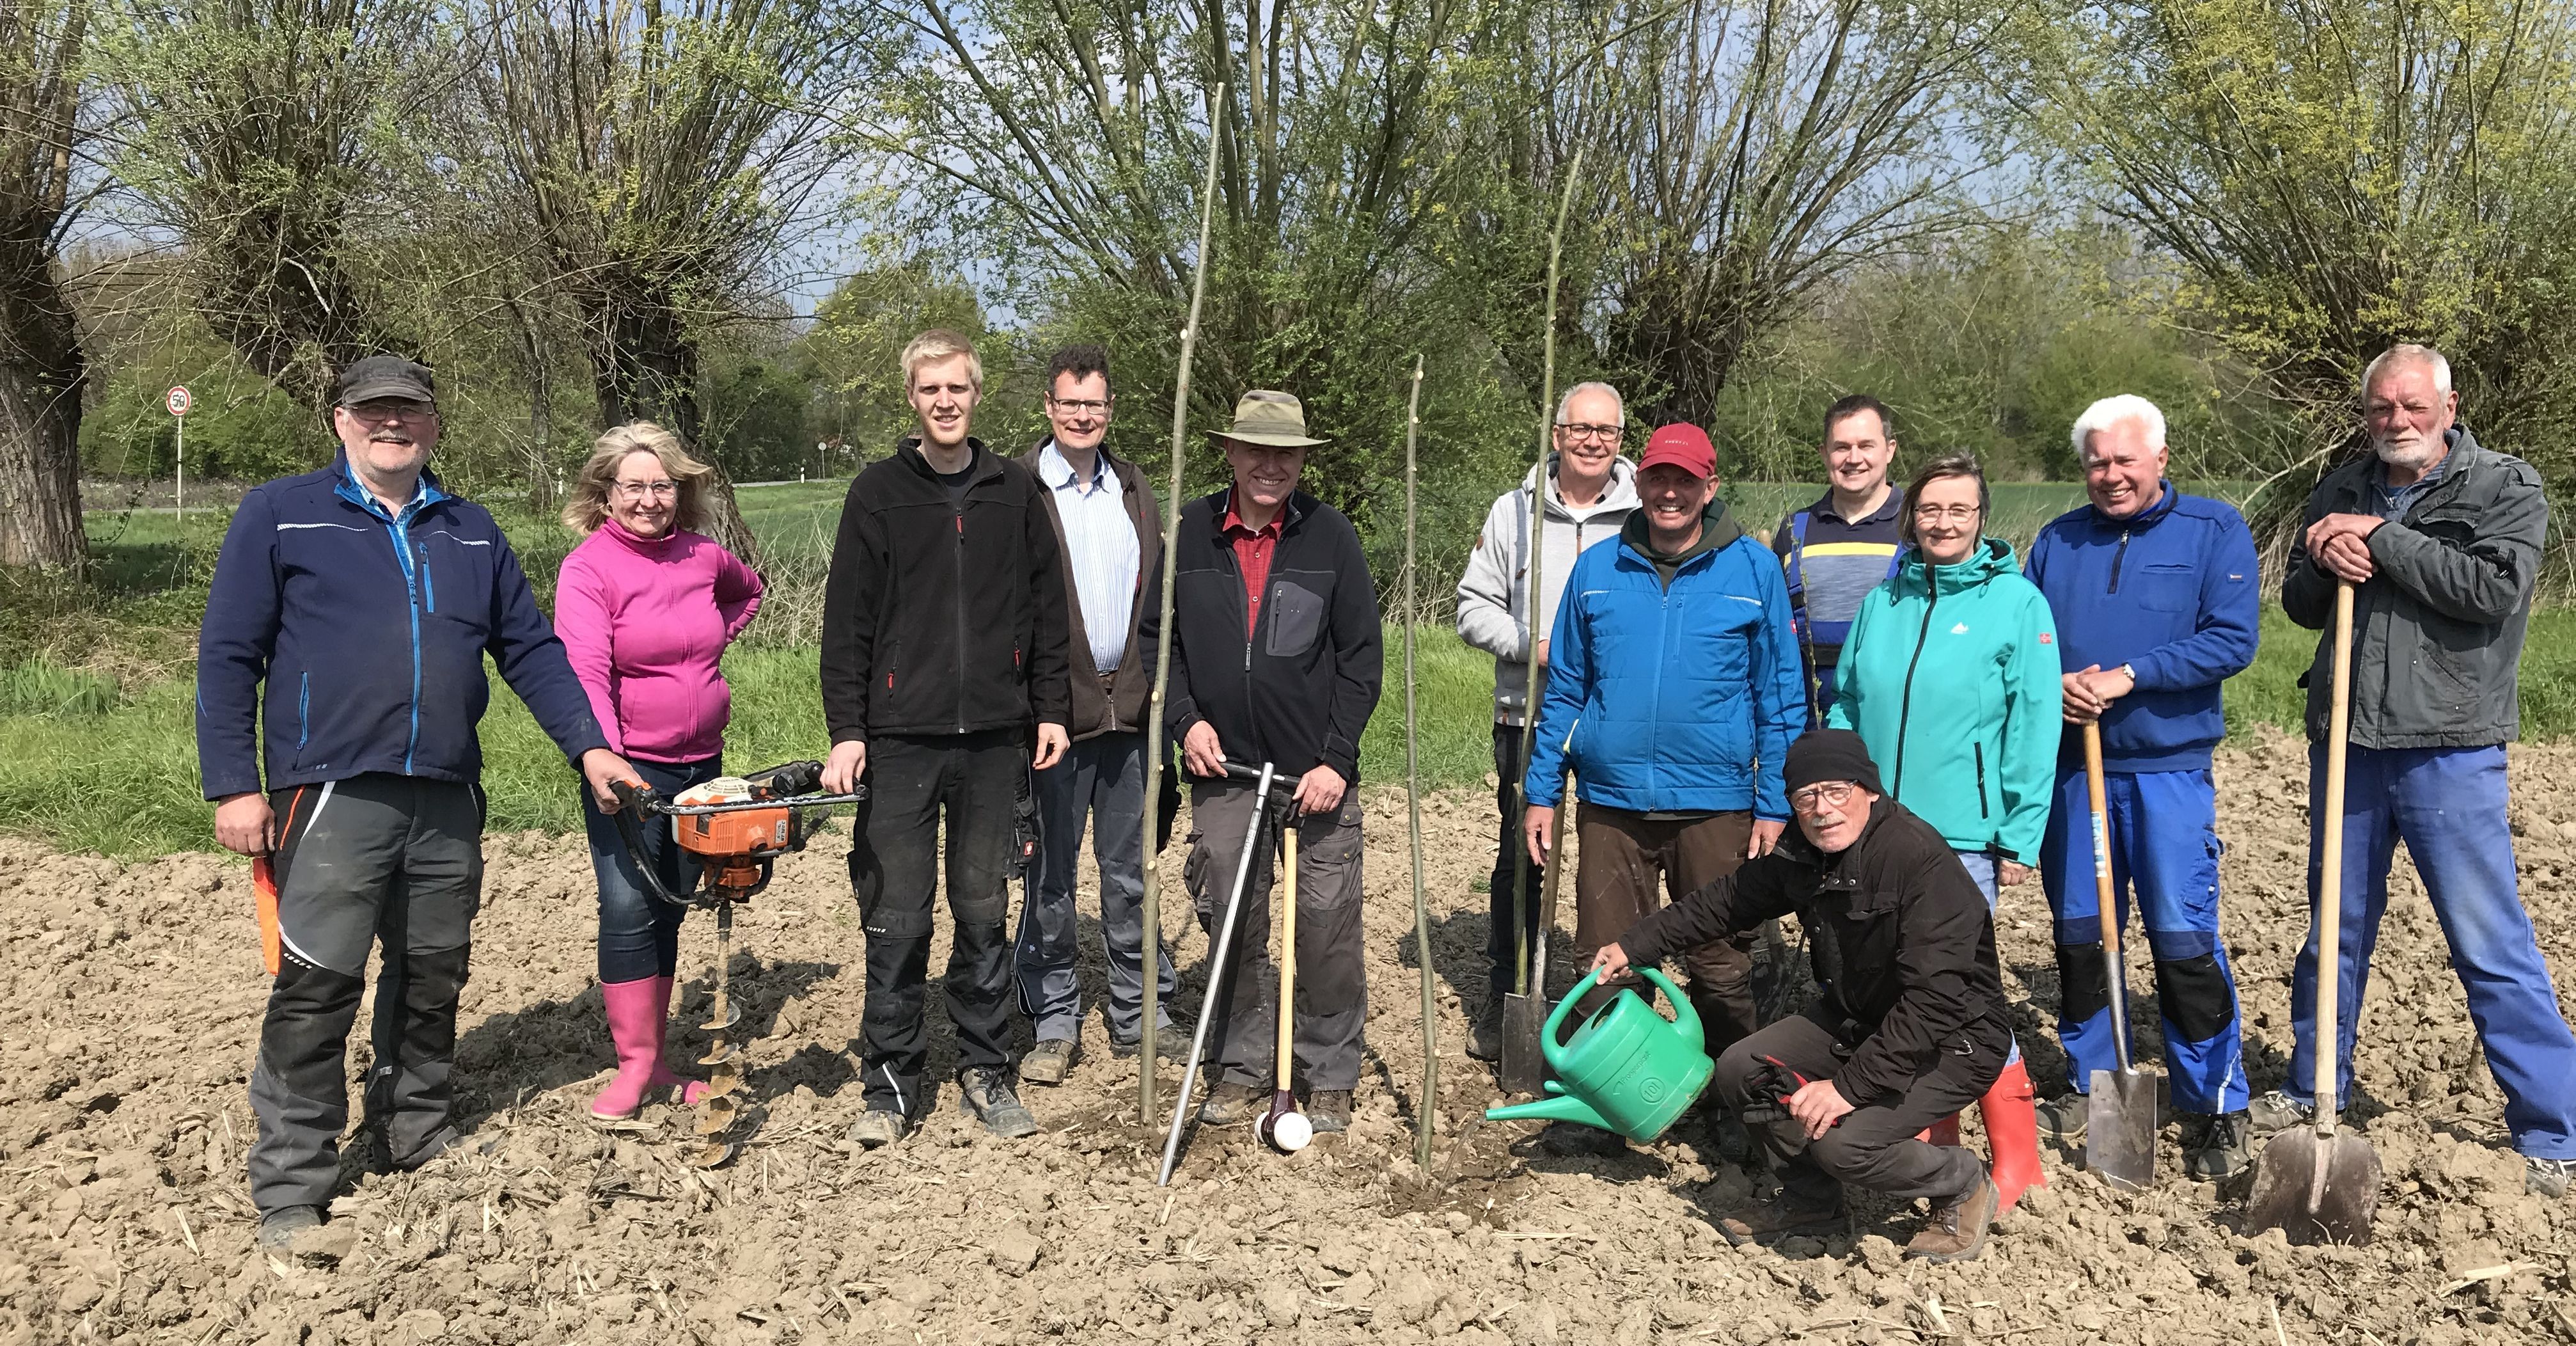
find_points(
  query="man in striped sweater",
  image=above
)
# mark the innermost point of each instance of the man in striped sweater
(1839, 548)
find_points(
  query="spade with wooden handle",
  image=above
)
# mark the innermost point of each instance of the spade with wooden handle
(2120, 1120)
(2316, 1183)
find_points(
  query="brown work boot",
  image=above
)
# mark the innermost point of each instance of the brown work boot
(1779, 1216)
(1232, 1104)
(1957, 1232)
(1329, 1110)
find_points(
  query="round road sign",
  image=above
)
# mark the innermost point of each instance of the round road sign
(178, 400)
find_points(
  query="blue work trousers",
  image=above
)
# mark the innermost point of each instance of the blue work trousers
(2164, 860)
(2448, 806)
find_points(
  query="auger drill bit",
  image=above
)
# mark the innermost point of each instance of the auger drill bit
(718, 1111)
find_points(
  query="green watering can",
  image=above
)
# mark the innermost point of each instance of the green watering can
(1626, 1070)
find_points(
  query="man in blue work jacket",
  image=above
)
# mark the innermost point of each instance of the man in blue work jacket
(2158, 601)
(346, 627)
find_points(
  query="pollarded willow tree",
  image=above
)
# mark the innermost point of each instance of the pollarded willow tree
(1055, 148)
(43, 147)
(279, 143)
(664, 159)
(2335, 176)
(1755, 150)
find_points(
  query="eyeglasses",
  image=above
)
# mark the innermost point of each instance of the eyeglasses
(1606, 434)
(1078, 406)
(637, 490)
(1832, 793)
(372, 412)
(1952, 513)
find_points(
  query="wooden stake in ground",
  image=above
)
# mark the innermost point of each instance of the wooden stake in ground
(1423, 1113)
(1150, 952)
(1522, 1069)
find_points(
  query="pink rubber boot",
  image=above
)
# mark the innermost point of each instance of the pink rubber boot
(690, 1090)
(635, 1026)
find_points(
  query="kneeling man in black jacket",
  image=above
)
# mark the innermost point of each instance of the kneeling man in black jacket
(1911, 1025)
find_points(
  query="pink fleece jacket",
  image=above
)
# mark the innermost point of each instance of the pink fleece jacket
(646, 621)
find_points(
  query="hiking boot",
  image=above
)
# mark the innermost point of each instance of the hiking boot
(1329, 1110)
(2276, 1112)
(1485, 1031)
(876, 1127)
(2547, 1177)
(1232, 1104)
(1051, 1060)
(1170, 1044)
(988, 1095)
(278, 1228)
(1957, 1232)
(2216, 1146)
(1574, 1140)
(1781, 1215)
(2064, 1118)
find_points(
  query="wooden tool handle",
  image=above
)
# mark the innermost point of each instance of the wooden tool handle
(1287, 944)
(2093, 788)
(2328, 1030)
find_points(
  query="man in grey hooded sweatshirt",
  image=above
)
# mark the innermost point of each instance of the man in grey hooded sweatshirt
(1590, 492)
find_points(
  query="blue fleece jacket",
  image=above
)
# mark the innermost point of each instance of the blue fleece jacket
(2174, 592)
(369, 631)
(1676, 700)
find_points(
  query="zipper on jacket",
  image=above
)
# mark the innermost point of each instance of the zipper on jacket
(961, 616)
(2117, 553)
(1981, 778)
(1905, 703)
(303, 709)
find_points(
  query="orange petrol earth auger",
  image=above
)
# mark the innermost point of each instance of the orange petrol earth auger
(735, 828)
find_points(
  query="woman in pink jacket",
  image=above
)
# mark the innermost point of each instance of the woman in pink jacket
(646, 606)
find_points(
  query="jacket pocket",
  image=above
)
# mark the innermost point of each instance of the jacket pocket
(1296, 619)
(2167, 588)
(1981, 780)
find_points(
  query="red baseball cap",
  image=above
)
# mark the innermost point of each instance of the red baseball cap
(1683, 446)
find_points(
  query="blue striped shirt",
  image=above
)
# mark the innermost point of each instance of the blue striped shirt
(1100, 547)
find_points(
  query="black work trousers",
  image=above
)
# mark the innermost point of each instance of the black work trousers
(1872, 1147)
(969, 782)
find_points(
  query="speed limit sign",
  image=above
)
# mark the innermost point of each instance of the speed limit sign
(178, 400)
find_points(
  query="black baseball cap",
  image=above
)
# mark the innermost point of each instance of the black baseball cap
(379, 377)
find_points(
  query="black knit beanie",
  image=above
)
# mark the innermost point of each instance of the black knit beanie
(1831, 754)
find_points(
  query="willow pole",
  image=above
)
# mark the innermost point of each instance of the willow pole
(1425, 1114)
(1522, 974)
(1150, 953)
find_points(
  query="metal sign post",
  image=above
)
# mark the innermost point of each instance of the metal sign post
(178, 401)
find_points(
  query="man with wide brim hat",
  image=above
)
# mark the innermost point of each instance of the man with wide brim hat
(1275, 658)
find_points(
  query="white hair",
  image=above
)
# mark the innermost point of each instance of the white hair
(1591, 386)
(2409, 353)
(2111, 411)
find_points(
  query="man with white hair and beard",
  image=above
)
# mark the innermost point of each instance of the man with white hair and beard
(2440, 538)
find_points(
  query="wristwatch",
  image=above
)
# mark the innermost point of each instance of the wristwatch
(2130, 671)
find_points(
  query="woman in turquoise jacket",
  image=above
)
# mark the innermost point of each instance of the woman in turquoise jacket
(1951, 676)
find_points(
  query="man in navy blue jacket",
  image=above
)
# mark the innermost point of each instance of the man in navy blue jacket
(364, 598)
(2158, 602)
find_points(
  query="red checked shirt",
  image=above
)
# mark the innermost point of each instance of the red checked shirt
(1252, 553)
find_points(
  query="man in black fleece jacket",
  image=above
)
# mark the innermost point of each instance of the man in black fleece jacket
(1275, 658)
(943, 649)
(1911, 1026)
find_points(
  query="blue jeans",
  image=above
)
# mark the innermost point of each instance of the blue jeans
(1101, 781)
(2448, 806)
(2164, 857)
(1982, 868)
(639, 936)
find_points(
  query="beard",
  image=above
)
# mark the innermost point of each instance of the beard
(2410, 454)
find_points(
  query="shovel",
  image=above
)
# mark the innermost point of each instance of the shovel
(1284, 1128)
(2316, 1184)
(2120, 1120)
(1524, 1066)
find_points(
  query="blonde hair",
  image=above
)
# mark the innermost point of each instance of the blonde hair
(587, 507)
(937, 344)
